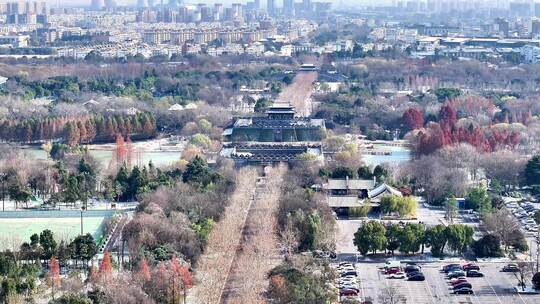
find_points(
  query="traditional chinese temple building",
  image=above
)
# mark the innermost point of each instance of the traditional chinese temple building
(278, 136)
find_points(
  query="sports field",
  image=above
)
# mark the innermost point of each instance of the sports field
(18, 230)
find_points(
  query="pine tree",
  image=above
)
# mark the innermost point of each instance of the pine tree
(72, 134)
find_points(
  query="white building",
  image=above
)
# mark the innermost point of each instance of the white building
(17, 41)
(531, 53)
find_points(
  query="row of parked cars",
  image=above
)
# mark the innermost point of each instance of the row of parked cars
(458, 275)
(347, 280)
(411, 271)
(524, 212)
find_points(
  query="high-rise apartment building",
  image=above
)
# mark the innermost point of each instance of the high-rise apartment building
(110, 4)
(237, 10)
(142, 3)
(97, 5)
(271, 7)
(26, 12)
(288, 7)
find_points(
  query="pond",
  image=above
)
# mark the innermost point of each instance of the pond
(398, 154)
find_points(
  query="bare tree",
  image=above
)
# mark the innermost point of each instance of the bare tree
(504, 225)
(289, 239)
(450, 210)
(213, 266)
(390, 295)
(259, 250)
(299, 93)
(524, 274)
(504, 166)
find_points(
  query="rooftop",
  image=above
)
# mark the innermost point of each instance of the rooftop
(349, 184)
(271, 152)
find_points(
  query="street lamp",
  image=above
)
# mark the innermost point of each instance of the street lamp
(82, 210)
(3, 180)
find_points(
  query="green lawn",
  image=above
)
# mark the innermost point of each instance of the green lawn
(20, 229)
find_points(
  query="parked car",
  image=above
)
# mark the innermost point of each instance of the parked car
(510, 268)
(412, 273)
(463, 285)
(474, 273)
(348, 293)
(344, 282)
(345, 266)
(456, 274)
(458, 281)
(349, 273)
(450, 266)
(392, 264)
(393, 270)
(464, 290)
(417, 277)
(349, 287)
(411, 268)
(345, 269)
(397, 275)
(470, 266)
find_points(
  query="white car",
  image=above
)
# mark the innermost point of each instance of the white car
(348, 285)
(455, 279)
(397, 275)
(344, 270)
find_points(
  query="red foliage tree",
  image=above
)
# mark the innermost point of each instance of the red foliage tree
(447, 116)
(53, 277)
(105, 268)
(144, 270)
(181, 276)
(431, 140)
(182, 272)
(413, 119)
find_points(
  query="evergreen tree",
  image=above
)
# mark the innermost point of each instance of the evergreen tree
(48, 244)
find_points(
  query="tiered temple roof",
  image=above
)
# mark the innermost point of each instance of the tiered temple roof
(276, 137)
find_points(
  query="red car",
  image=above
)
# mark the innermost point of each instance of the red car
(393, 270)
(458, 281)
(348, 293)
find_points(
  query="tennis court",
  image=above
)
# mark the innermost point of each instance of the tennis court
(18, 230)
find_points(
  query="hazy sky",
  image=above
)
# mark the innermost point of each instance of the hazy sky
(133, 2)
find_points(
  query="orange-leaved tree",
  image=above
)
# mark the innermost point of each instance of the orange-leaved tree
(53, 277)
(144, 270)
(105, 268)
(181, 275)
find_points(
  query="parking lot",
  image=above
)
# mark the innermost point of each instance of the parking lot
(495, 287)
